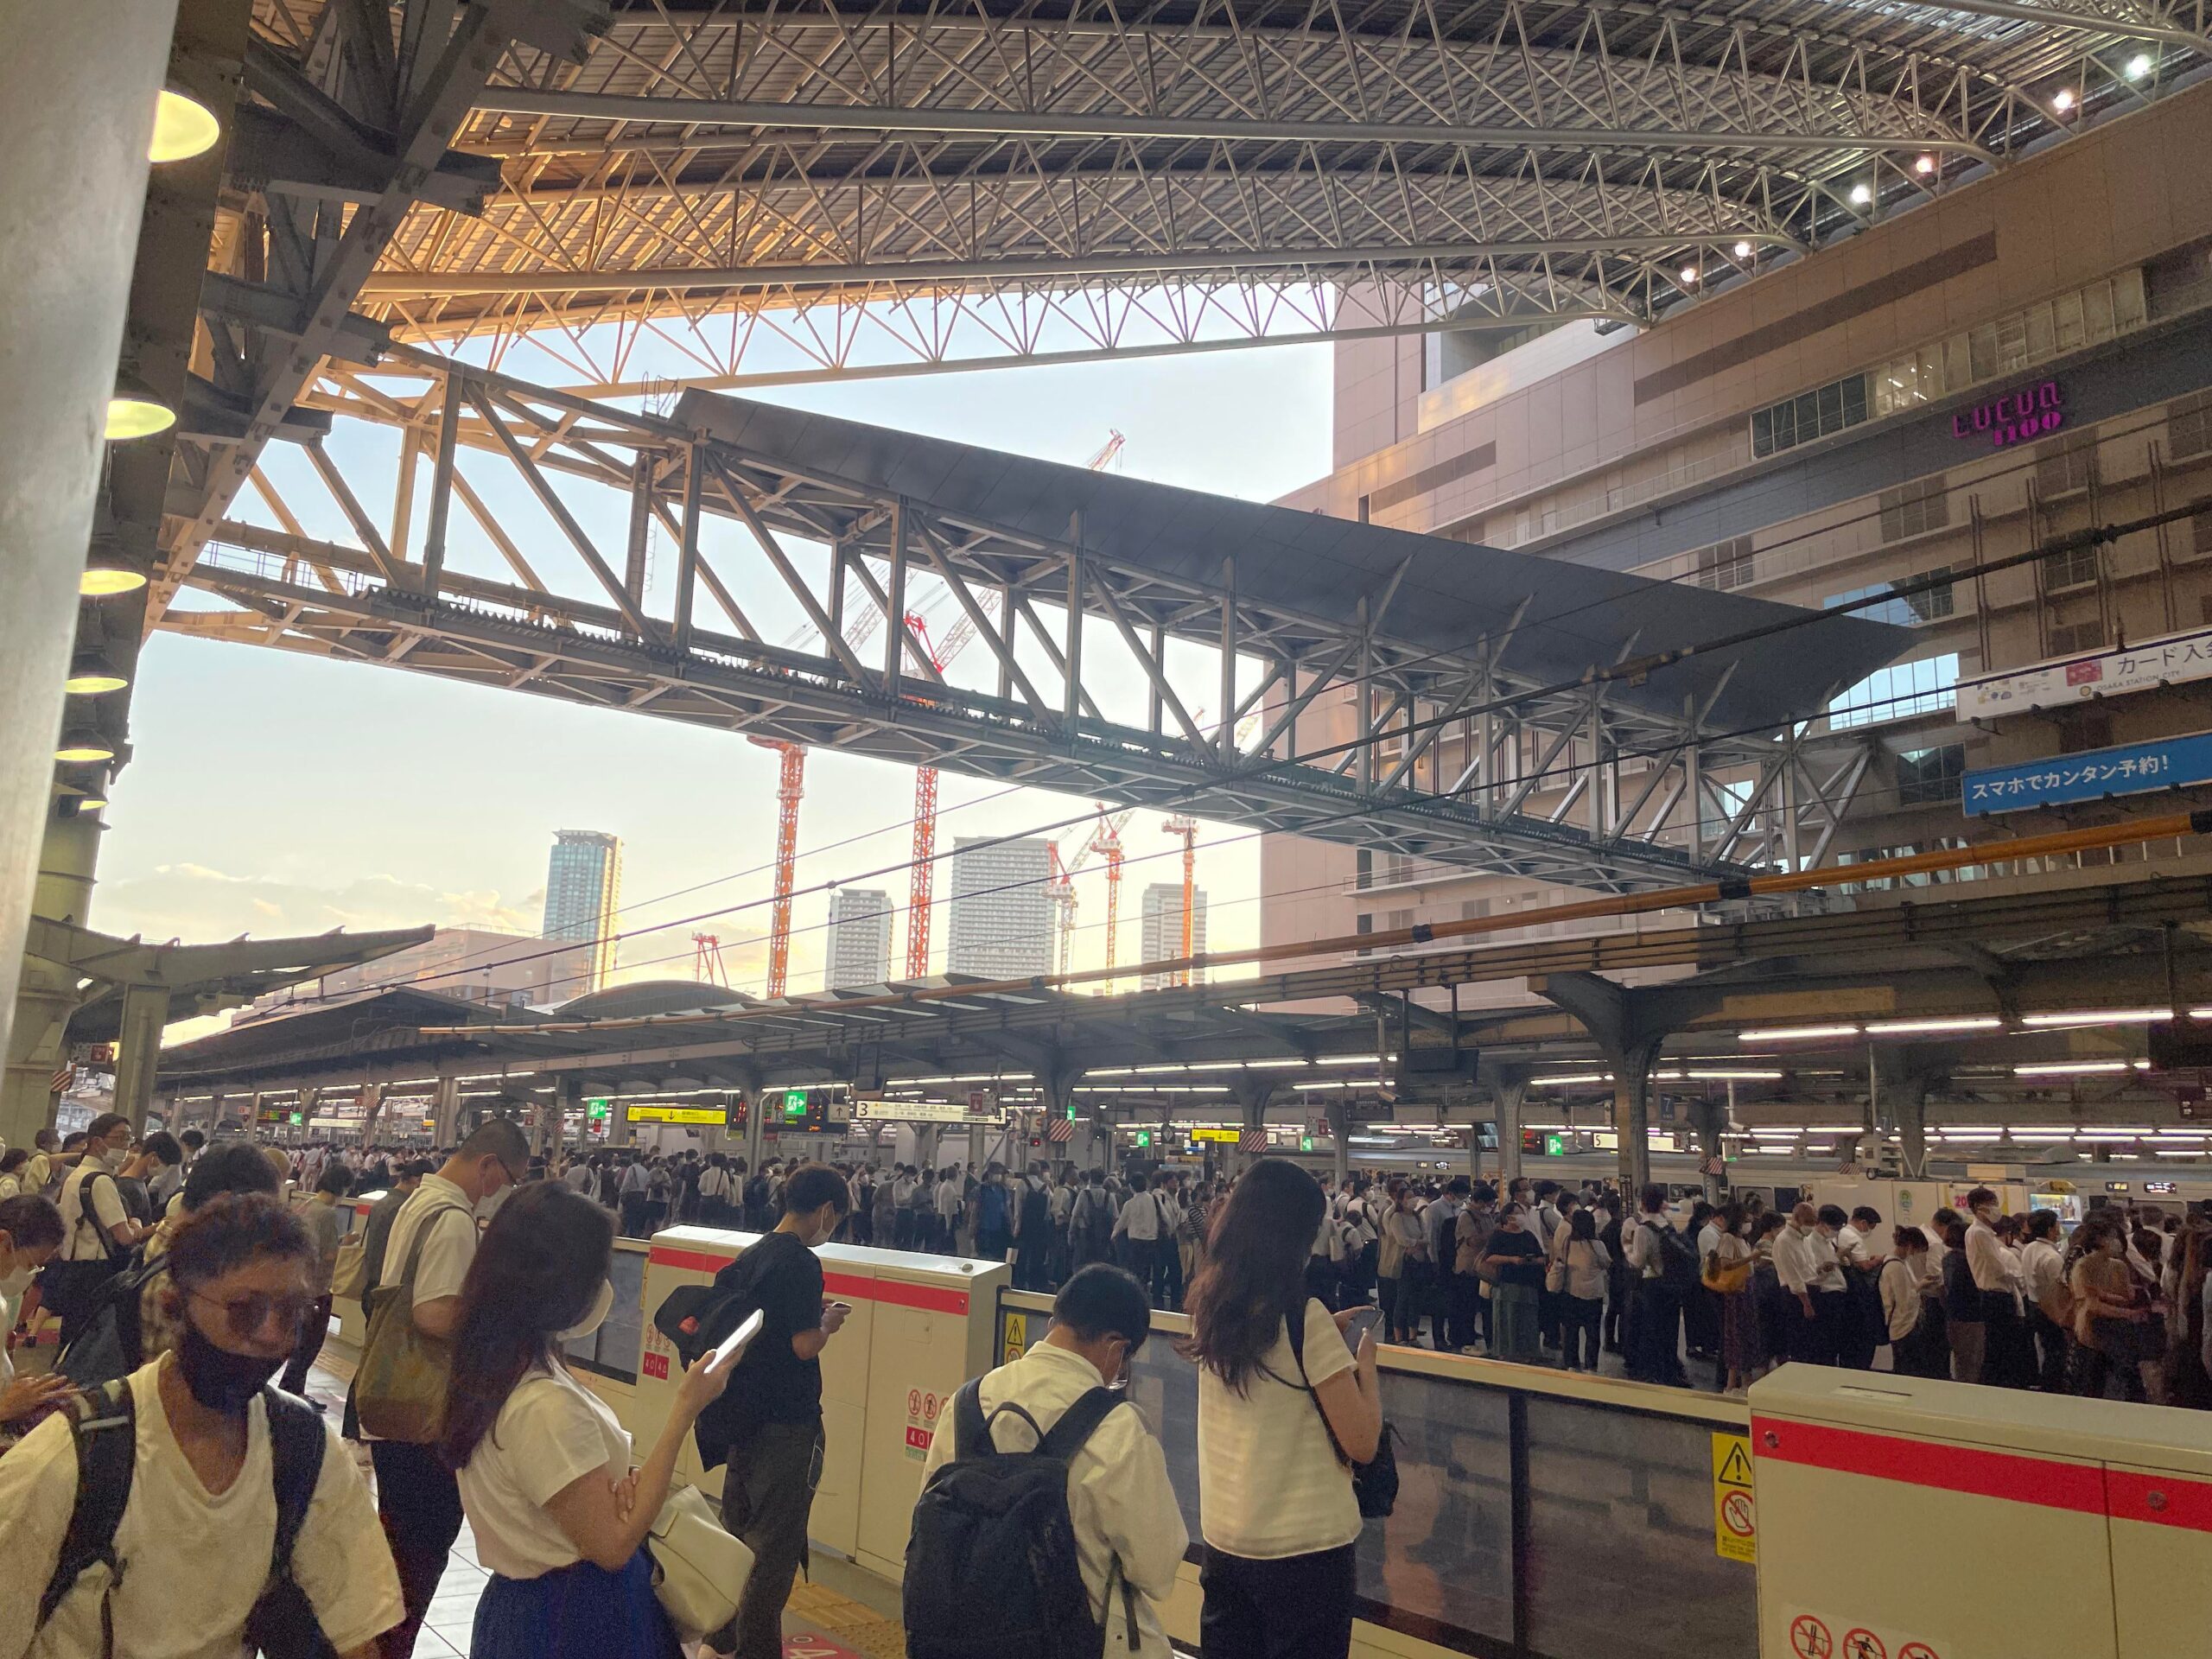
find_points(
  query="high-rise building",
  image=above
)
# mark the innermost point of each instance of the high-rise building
(583, 893)
(1002, 919)
(1163, 927)
(860, 939)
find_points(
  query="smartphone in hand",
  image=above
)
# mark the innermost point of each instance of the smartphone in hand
(747, 1330)
(1359, 1324)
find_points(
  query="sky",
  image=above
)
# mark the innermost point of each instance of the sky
(273, 794)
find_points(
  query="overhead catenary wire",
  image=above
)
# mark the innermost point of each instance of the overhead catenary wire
(2166, 826)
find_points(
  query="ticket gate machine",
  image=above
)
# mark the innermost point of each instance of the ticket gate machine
(920, 1326)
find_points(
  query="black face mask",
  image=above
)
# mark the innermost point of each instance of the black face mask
(220, 1379)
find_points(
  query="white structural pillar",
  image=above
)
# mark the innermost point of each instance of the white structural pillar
(77, 93)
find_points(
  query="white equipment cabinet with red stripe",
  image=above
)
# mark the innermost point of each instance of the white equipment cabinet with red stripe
(920, 1326)
(1900, 1518)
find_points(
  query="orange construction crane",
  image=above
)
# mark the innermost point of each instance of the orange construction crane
(1106, 841)
(707, 960)
(1187, 827)
(790, 784)
(921, 887)
(1109, 454)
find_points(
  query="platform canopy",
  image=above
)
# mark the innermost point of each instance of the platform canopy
(1431, 593)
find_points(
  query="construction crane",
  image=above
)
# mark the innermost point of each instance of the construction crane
(921, 885)
(707, 960)
(1106, 841)
(790, 784)
(1109, 452)
(1184, 825)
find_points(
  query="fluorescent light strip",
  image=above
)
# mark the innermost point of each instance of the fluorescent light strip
(1561, 1082)
(1736, 1075)
(1796, 1033)
(2080, 1068)
(1908, 1028)
(2098, 1017)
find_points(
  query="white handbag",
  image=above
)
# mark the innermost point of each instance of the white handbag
(700, 1571)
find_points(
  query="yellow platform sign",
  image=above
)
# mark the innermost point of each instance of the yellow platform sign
(1735, 1509)
(1017, 1338)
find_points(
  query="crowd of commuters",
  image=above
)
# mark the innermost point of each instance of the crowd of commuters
(194, 1283)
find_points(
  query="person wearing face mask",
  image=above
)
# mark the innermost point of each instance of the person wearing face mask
(559, 1514)
(98, 1232)
(184, 1464)
(2110, 1309)
(767, 1427)
(426, 1258)
(1121, 1506)
(30, 1232)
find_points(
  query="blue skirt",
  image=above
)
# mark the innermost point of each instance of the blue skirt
(579, 1613)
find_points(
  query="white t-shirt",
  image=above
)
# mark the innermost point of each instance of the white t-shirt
(448, 1249)
(194, 1564)
(88, 1238)
(552, 1431)
(1269, 1483)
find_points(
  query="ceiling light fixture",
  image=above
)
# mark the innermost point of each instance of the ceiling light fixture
(2098, 1017)
(1742, 250)
(2139, 66)
(1861, 194)
(1796, 1033)
(1908, 1028)
(90, 674)
(1689, 274)
(1924, 166)
(183, 128)
(2063, 99)
(108, 573)
(83, 743)
(136, 410)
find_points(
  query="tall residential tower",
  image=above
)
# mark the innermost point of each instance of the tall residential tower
(583, 893)
(1002, 922)
(860, 939)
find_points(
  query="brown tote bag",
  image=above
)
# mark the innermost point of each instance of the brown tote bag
(399, 1388)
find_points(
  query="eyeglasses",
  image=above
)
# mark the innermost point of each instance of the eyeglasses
(246, 1317)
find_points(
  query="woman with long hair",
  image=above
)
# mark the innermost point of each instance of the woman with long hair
(559, 1515)
(1284, 1411)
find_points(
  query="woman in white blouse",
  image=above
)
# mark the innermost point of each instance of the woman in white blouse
(1284, 1409)
(559, 1516)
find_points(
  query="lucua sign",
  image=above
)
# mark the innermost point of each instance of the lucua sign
(2014, 417)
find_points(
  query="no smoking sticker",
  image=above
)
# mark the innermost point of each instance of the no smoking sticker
(1812, 1637)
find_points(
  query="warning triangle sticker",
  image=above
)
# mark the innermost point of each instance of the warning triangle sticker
(1735, 1469)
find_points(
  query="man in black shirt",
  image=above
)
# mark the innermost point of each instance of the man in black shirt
(767, 1425)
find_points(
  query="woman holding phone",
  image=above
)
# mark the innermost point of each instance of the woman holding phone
(1282, 1405)
(559, 1514)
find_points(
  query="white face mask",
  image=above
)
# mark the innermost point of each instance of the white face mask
(594, 1316)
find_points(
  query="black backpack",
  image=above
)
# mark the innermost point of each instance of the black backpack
(991, 1565)
(104, 1426)
(1677, 1257)
(111, 1343)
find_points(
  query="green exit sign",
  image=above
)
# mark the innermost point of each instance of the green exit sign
(298, 1118)
(1306, 1143)
(1555, 1145)
(1144, 1137)
(599, 1108)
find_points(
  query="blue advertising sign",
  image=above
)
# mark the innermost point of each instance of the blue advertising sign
(2132, 769)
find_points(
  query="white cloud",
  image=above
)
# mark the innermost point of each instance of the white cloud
(194, 902)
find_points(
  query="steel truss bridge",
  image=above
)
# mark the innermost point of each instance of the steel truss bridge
(829, 187)
(1651, 794)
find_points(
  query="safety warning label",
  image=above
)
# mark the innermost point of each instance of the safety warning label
(1825, 1635)
(1735, 1508)
(1016, 1343)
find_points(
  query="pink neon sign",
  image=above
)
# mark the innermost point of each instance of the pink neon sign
(2013, 416)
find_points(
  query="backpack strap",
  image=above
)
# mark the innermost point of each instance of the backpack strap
(1078, 1421)
(1295, 1330)
(296, 1443)
(971, 1433)
(104, 1429)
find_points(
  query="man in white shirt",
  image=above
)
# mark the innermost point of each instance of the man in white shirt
(952, 1210)
(96, 1228)
(2043, 1271)
(1128, 1526)
(434, 1234)
(1137, 1235)
(636, 1191)
(1805, 1262)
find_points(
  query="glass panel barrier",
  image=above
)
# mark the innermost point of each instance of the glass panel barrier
(1603, 1548)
